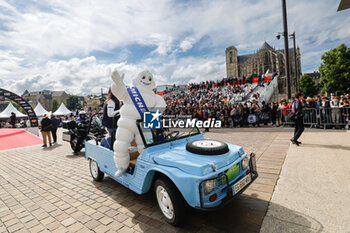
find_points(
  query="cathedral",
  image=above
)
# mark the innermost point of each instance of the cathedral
(265, 59)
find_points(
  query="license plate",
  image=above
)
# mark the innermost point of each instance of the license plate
(66, 136)
(241, 184)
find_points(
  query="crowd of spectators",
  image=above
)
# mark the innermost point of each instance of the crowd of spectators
(217, 99)
(215, 104)
(209, 85)
(14, 122)
(213, 99)
(23, 122)
(333, 111)
(202, 103)
(96, 113)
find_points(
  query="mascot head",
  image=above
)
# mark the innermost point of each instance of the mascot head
(145, 80)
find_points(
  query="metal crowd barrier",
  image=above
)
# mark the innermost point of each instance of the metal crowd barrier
(323, 117)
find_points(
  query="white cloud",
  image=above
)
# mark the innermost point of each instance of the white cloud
(163, 42)
(39, 43)
(9, 62)
(78, 28)
(197, 71)
(76, 76)
(87, 75)
(187, 43)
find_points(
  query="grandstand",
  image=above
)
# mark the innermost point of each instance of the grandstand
(263, 86)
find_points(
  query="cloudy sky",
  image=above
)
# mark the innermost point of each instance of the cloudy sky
(73, 45)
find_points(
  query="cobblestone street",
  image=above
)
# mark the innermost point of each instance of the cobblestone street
(51, 190)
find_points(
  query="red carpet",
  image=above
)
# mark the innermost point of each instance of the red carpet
(17, 138)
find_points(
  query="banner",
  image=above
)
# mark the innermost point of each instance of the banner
(137, 100)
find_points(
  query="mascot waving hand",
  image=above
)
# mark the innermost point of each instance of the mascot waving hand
(143, 86)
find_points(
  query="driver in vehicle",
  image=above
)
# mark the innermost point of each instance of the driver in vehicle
(160, 134)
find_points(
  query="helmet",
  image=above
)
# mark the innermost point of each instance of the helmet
(82, 113)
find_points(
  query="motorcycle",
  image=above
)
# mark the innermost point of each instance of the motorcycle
(77, 135)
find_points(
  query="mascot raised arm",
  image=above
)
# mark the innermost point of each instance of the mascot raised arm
(143, 86)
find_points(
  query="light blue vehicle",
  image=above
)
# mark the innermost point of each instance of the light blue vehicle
(181, 166)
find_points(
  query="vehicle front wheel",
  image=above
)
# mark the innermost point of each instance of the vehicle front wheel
(95, 171)
(170, 201)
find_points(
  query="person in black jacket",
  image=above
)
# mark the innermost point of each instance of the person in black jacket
(55, 124)
(110, 110)
(297, 108)
(246, 112)
(273, 111)
(46, 126)
(111, 114)
(13, 119)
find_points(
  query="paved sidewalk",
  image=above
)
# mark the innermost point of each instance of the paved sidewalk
(51, 190)
(312, 194)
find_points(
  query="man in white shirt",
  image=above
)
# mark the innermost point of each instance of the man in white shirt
(335, 106)
(249, 104)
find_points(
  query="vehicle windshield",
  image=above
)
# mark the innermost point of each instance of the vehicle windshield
(153, 137)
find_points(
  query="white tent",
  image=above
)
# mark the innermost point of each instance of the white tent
(62, 110)
(7, 112)
(40, 110)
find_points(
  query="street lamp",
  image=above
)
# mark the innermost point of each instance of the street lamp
(279, 35)
(296, 81)
(286, 49)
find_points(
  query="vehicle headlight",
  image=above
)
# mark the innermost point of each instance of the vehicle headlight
(245, 163)
(209, 186)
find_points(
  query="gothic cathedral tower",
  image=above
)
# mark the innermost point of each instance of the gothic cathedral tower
(231, 62)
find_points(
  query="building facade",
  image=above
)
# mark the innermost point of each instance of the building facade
(45, 97)
(265, 59)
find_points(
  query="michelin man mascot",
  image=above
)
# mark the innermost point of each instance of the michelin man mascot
(131, 111)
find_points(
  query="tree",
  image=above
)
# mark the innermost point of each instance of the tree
(102, 99)
(307, 85)
(335, 70)
(55, 105)
(73, 103)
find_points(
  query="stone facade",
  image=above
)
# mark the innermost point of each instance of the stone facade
(266, 58)
(45, 97)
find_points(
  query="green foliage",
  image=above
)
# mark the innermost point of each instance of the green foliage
(308, 86)
(335, 70)
(22, 111)
(73, 103)
(102, 99)
(55, 105)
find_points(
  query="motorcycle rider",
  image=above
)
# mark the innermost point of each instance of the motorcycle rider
(82, 123)
(82, 120)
